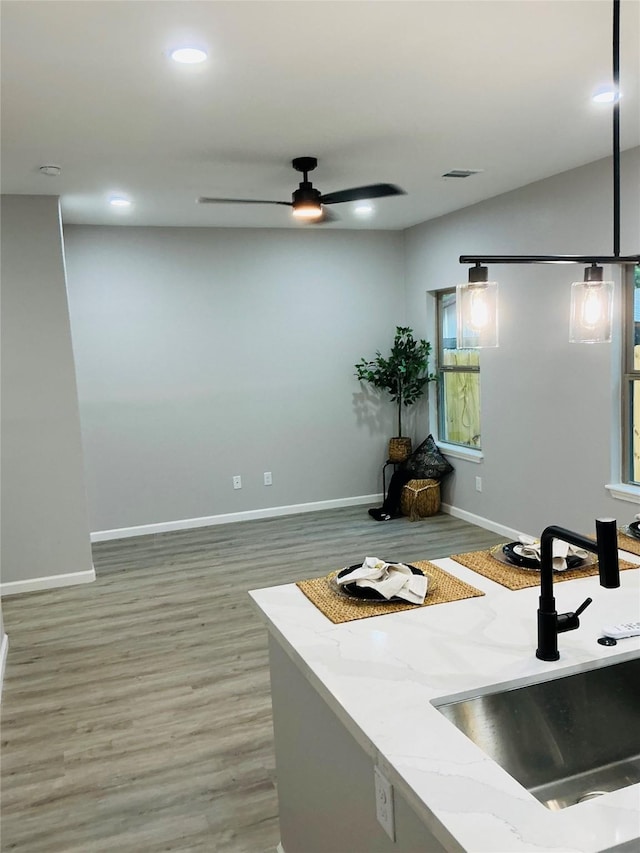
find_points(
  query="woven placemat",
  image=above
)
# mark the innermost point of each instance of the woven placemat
(514, 577)
(628, 543)
(442, 587)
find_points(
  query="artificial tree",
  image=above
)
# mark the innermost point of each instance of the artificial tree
(404, 375)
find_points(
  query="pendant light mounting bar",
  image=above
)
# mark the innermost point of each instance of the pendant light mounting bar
(550, 259)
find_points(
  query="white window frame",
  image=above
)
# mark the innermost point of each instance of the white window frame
(457, 451)
(631, 316)
(625, 489)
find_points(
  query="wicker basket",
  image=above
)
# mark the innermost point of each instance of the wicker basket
(399, 449)
(420, 498)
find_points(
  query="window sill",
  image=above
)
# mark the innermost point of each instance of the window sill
(624, 492)
(458, 452)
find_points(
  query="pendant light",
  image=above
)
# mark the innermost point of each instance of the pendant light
(592, 299)
(591, 319)
(477, 310)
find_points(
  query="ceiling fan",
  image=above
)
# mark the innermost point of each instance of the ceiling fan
(307, 202)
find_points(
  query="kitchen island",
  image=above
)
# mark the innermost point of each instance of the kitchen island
(352, 697)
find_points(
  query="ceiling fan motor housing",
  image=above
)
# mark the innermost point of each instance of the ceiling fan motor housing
(306, 195)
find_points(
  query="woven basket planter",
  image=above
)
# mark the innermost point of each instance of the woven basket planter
(399, 449)
(420, 498)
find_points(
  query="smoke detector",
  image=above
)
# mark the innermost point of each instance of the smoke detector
(51, 171)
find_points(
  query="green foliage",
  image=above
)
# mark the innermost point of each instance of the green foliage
(404, 374)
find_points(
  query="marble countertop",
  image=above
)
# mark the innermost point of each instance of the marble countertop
(381, 674)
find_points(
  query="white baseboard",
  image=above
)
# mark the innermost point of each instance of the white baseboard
(275, 511)
(480, 521)
(231, 517)
(4, 650)
(51, 582)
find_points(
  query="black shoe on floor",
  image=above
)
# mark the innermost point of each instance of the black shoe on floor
(379, 514)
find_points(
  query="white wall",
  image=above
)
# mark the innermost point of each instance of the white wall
(547, 406)
(205, 353)
(45, 531)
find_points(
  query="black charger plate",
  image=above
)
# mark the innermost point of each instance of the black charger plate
(634, 529)
(573, 561)
(365, 592)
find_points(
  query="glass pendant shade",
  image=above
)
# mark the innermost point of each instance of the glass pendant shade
(591, 309)
(477, 311)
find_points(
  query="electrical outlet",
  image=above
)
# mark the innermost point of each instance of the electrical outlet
(384, 803)
(237, 482)
(478, 484)
(268, 481)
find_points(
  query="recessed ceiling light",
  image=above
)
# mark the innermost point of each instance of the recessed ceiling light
(119, 201)
(606, 96)
(188, 55)
(364, 208)
(51, 171)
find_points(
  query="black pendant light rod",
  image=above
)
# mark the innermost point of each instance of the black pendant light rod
(616, 127)
(615, 258)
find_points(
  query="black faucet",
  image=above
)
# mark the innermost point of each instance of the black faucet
(550, 623)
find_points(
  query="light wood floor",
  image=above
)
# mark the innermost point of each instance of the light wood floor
(136, 710)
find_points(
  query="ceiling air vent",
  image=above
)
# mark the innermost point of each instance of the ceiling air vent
(461, 173)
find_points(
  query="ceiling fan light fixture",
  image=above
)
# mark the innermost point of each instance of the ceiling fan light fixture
(307, 210)
(306, 202)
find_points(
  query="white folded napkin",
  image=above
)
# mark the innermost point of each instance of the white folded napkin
(560, 550)
(389, 579)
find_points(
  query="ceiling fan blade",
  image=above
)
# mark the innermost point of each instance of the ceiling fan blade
(206, 200)
(358, 193)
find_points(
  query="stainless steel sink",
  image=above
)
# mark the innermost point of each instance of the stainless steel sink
(566, 740)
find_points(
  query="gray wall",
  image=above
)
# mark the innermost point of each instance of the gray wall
(548, 407)
(45, 528)
(205, 353)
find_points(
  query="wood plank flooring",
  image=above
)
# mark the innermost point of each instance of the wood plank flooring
(136, 710)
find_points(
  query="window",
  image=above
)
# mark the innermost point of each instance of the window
(631, 417)
(458, 380)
